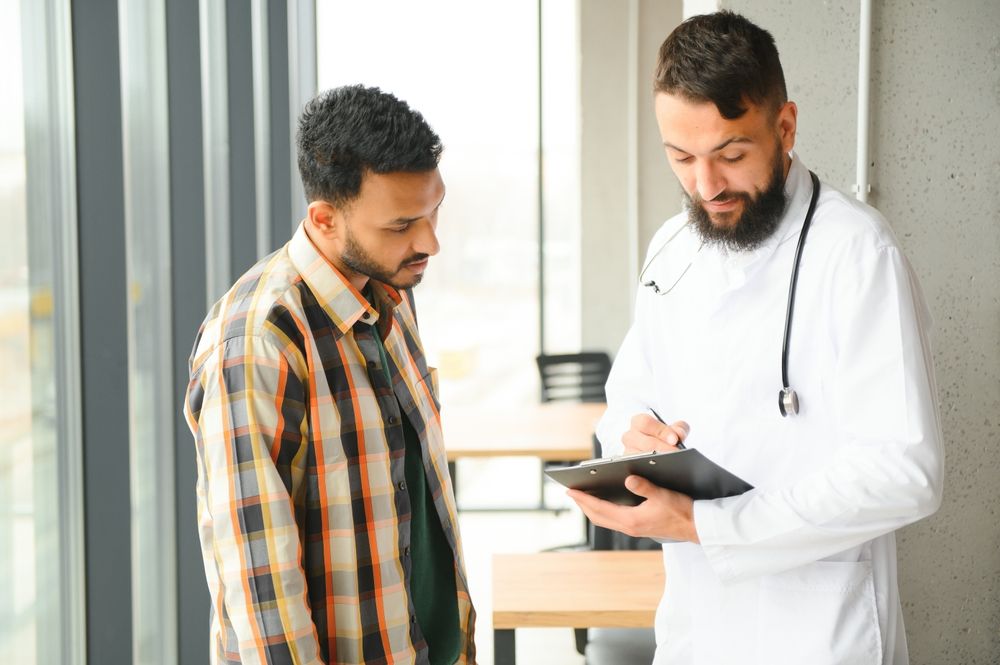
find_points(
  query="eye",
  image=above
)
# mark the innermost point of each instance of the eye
(683, 160)
(732, 159)
(399, 229)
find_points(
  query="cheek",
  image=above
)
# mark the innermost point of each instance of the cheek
(685, 177)
(395, 250)
(751, 180)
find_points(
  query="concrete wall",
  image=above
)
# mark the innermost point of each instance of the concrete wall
(604, 186)
(936, 156)
(658, 190)
(627, 189)
(935, 131)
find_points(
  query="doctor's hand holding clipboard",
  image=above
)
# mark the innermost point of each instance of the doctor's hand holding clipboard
(664, 514)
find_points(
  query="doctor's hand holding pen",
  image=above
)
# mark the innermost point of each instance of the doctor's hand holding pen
(663, 514)
(650, 432)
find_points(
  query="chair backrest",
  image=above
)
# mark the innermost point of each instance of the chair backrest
(574, 376)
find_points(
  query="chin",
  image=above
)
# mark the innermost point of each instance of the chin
(400, 284)
(727, 222)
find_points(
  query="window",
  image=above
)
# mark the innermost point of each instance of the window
(40, 524)
(472, 70)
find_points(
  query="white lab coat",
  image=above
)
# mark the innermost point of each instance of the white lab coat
(802, 569)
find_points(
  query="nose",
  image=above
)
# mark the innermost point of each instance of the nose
(426, 241)
(708, 180)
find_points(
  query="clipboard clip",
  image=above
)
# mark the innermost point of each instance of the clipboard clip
(619, 458)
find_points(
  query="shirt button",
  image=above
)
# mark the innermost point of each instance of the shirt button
(366, 316)
(406, 551)
(413, 618)
(393, 420)
(402, 484)
(372, 365)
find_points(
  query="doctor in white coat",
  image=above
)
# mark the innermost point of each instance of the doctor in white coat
(801, 570)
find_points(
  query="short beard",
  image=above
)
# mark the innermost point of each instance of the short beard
(360, 261)
(761, 214)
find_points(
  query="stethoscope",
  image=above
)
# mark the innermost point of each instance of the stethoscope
(788, 399)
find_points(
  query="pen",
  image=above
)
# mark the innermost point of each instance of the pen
(680, 444)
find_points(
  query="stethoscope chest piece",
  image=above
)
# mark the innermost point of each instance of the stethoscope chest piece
(788, 402)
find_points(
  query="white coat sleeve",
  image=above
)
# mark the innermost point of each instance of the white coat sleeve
(889, 470)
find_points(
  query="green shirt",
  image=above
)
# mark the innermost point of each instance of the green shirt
(432, 562)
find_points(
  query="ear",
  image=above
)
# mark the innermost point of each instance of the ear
(787, 121)
(325, 218)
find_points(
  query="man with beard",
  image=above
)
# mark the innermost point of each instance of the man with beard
(802, 568)
(326, 514)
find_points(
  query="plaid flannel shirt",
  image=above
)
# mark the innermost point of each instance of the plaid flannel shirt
(302, 504)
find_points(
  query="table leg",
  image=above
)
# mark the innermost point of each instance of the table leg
(503, 646)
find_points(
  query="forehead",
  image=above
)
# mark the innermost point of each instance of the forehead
(697, 127)
(399, 194)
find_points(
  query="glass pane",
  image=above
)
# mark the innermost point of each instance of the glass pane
(30, 620)
(472, 70)
(151, 421)
(561, 145)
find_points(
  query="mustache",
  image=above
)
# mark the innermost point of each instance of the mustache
(416, 258)
(724, 196)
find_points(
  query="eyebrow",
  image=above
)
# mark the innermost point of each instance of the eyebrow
(735, 139)
(410, 220)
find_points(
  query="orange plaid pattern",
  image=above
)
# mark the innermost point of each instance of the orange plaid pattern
(302, 505)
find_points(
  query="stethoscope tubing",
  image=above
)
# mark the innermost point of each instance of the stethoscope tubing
(791, 287)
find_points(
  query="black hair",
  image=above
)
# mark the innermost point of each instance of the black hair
(349, 131)
(725, 59)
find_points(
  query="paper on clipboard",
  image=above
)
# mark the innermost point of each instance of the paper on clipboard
(685, 471)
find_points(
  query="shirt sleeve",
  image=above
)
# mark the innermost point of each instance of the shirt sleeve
(251, 434)
(889, 470)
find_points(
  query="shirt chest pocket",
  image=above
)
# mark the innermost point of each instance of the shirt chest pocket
(823, 614)
(429, 386)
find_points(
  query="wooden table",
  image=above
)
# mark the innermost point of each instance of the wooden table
(552, 432)
(611, 589)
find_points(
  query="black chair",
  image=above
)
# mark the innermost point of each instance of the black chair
(576, 377)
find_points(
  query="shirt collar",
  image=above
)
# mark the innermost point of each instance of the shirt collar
(336, 295)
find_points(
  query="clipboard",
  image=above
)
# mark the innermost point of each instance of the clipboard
(686, 471)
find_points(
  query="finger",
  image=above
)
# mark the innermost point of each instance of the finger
(644, 424)
(682, 428)
(641, 487)
(600, 512)
(636, 442)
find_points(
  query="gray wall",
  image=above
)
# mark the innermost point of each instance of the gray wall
(935, 160)
(604, 184)
(658, 190)
(936, 150)
(622, 204)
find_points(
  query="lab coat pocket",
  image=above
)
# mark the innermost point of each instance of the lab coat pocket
(823, 613)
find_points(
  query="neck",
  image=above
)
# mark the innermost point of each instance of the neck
(357, 280)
